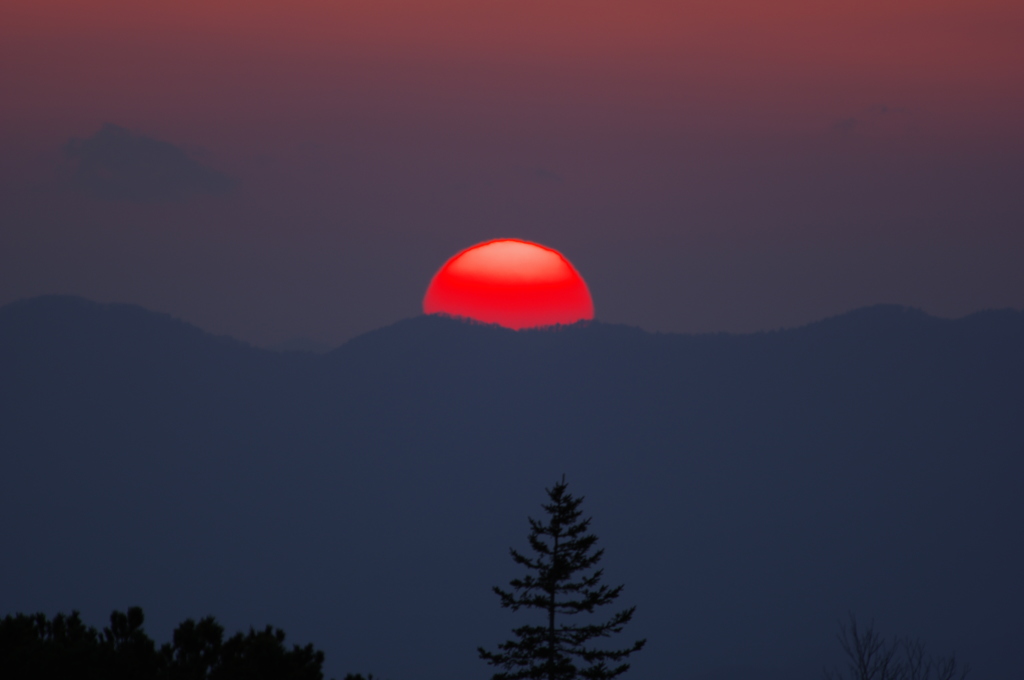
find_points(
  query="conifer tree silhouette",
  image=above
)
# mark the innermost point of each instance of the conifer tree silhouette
(561, 582)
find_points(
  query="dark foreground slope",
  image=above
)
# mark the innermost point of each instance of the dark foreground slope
(750, 490)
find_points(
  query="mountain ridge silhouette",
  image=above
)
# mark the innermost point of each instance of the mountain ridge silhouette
(749, 489)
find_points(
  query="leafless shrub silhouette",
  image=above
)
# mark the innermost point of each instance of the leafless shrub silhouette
(870, 656)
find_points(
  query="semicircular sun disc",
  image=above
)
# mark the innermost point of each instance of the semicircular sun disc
(513, 283)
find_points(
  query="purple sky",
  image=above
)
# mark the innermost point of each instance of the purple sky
(303, 170)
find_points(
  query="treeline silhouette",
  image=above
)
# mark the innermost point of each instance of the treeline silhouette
(36, 647)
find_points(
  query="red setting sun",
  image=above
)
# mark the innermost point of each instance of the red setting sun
(513, 283)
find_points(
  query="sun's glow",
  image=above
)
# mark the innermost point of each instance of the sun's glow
(514, 283)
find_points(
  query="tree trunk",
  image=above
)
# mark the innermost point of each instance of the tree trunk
(551, 613)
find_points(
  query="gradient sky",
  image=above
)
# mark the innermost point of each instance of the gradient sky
(275, 170)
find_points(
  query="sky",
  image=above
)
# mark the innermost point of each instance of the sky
(274, 171)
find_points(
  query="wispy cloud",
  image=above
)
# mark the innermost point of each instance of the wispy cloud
(116, 164)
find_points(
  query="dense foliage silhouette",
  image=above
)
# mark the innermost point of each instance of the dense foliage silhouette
(561, 581)
(34, 647)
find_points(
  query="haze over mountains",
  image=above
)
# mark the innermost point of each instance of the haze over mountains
(750, 490)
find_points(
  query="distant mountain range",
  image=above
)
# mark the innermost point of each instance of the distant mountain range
(750, 490)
